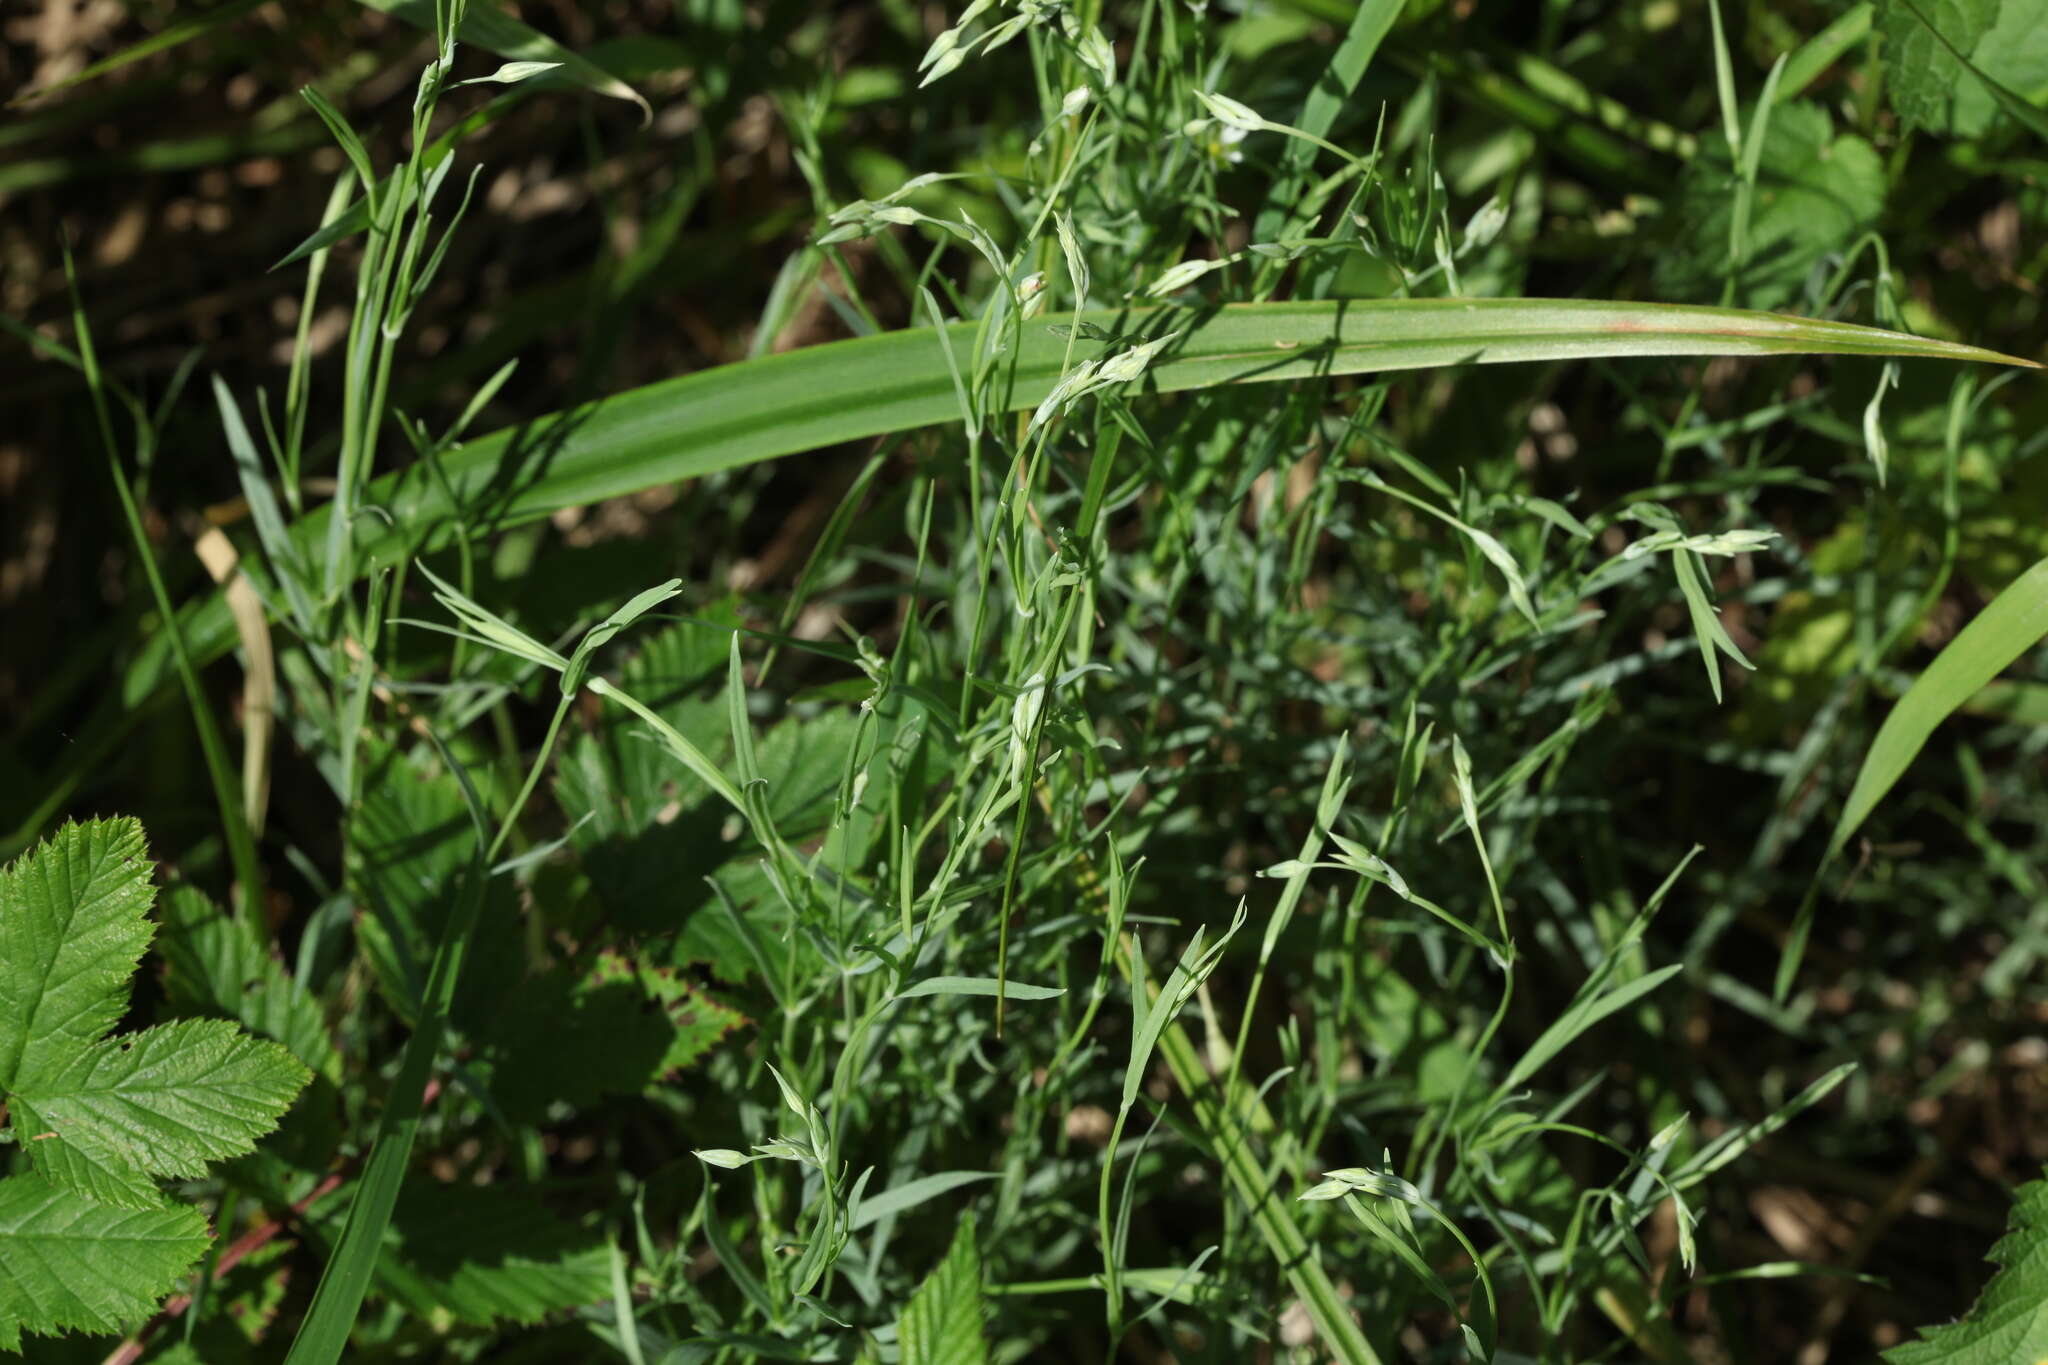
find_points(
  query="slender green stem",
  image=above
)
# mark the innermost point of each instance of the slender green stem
(227, 793)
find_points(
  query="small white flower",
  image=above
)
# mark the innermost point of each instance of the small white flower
(1075, 384)
(1216, 140)
(1031, 293)
(1365, 1180)
(941, 45)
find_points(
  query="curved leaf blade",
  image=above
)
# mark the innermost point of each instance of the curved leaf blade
(779, 405)
(776, 405)
(2014, 623)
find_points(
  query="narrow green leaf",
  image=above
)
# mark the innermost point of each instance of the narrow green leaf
(1582, 1016)
(489, 27)
(978, 985)
(324, 1335)
(1824, 49)
(728, 1255)
(351, 145)
(1731, 1145)
(911, 1193)
(2014, 623)
(278, 547)
(1370, 23)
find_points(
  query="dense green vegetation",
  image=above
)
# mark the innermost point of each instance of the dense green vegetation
(1135, 681)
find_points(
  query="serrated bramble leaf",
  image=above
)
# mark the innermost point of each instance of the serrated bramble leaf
(162, 1102)
(942, 1323)
(2010, 1320)
(1816, 191)
(1921, 73)
(72, 928)
(615, 1031)
(105, 1117)
(700, 1021)
(2011, 72)
(411, 841)
(75, 1266)
(219, 966)
(481, 1254)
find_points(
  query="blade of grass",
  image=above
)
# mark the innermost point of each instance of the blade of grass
(1272, 1214)
(1823, 50)
(1319, 111)
(779, 405)
(2014, 623)
(323, 1336)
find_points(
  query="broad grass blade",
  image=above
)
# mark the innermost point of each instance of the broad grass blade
(778, 405)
